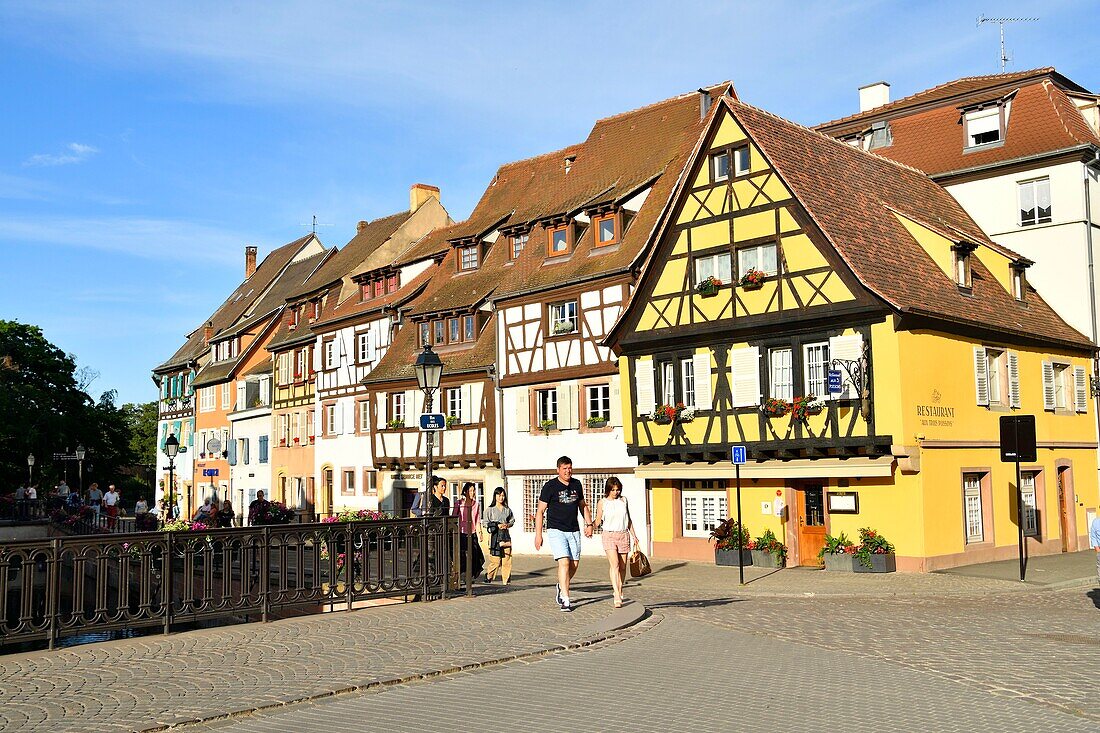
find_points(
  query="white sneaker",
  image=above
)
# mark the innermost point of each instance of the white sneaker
(565, 605)
(557, 594)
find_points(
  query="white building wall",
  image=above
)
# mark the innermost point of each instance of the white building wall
(184, 463)
(1059, 249)
(248, 478)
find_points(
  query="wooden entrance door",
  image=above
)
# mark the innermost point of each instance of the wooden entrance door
(1066, 519)
(811, 524)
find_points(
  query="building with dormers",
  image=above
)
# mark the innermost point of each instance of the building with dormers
(833, 259)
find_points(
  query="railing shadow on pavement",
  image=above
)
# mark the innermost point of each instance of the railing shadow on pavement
(65, 586)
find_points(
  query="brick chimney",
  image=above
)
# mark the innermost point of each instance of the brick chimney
(874, 95)
(704, 103)
(419, 195)
(249, 261)
(208, 332)
(360, 226)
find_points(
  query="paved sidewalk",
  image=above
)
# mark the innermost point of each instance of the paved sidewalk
(1064, 570)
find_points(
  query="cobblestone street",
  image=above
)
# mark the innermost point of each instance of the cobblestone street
(906, 652)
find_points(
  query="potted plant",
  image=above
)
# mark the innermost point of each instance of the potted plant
(801, 408)
(664, 414)
(726, 537)
(312, 439)
(282, 442)
(563, 327)
(775, 407)
(596, 422)
(452, 420)
(297, 440)
(873, 554)
(753, 279)
(708, 286)
(548, 425)
(768, 552)
(685, 414)
(395, 424)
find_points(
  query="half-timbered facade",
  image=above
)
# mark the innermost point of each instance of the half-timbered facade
(789, 260)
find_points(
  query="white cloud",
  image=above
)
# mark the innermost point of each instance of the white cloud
(74, 153)
(157, 239)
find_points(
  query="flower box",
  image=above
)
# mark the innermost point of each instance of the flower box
(596, 422)
(728, 558)
(547, 425)
(663, 420)
(753, 279)
(845, 563)
(765, 559)
(708, 288)
(774, 407)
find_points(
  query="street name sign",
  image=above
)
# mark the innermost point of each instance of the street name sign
(209, 472)
(433, 421)
(836, 383)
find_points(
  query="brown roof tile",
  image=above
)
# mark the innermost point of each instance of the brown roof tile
(355, 253)
(397, 364)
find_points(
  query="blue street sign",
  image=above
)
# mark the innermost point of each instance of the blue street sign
(209, 472)
(433, 421)
(836, 384)
(739, 455)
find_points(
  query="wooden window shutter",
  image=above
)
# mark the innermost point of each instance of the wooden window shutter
(1080, 389)
(381, 410)
(1048, 386)
(467, 407)
(573, 417)
(981, 376)
(643, 379)
(847, 348)
(745, 377)
(1013, 360)
(410, 407)
(567, 415)
(523, 410)
(701, 366)
(337, 419)
(616, 403)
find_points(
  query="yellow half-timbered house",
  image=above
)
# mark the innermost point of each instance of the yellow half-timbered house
(785, 256)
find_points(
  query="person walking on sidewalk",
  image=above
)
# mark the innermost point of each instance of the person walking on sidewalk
(560, 502)
(110, 503)
(95, 500)
(617, 533)
(498, 523)
(1094, 543)
(468, 511)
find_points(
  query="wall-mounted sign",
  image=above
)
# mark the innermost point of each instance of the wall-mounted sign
(843, 502)
(1018, 438)
(936, 415)
(433, 421)
(836, 382)
(209, 472)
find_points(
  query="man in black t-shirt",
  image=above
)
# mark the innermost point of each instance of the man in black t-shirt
(560, 502)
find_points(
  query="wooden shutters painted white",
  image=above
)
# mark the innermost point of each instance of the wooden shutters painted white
(380, 405)
(1048, 386)
(616, 403)
(847, 348)
(411, 419)
(337, 419)
(467, 413)
(523, 410)
(1013, 379)
(643, 383)
(1080, 389)
(567, 406)
(981, 376)
(701, 367)
(745, 376)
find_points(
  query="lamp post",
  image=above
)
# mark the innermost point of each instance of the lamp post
(30, 468)
(429, 372)
(81, 451)
(171, 449)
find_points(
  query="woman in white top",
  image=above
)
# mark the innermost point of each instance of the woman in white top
(617, 533)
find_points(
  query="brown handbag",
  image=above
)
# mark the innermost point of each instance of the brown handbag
(639, 563)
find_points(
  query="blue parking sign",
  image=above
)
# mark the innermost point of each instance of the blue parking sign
(738, 454)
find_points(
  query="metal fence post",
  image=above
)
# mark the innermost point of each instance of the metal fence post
(470, 539)
(349, 562)
(265, 573)
(53, 590)
(167, 583)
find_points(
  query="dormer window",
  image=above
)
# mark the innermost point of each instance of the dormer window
(518, 242)
(962, 264)
(392, 283)
(559, 240)
(984, 126)
(468, 258)
(569, 161)
(720, 166)
(879, 136)
(607, 229)
(1019, 284)
(365, 292)
(425, 333)
(379, 288)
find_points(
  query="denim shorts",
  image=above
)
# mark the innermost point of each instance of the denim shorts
(564, 544)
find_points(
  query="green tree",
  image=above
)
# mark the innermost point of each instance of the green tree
(142, 417)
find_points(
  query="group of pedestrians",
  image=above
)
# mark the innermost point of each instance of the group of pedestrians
(212, 514)
(561, 508)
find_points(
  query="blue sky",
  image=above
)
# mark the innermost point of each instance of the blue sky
(144, 144)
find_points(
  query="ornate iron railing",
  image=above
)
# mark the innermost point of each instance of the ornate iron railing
(72, 585)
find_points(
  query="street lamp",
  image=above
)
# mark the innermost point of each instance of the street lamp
(30, 468)
(81, 451)
(171, 449)
(429, 371)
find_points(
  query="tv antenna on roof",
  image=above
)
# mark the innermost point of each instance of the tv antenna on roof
(315, 224)
(1001, 22)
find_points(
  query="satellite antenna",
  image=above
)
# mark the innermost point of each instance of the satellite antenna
(1002, 22)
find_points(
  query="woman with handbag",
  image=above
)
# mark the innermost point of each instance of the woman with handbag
(498, 521)
(617, 533)
(469, 525)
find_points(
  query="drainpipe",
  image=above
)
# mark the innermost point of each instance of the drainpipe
(1095, 162)
(494, 372)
